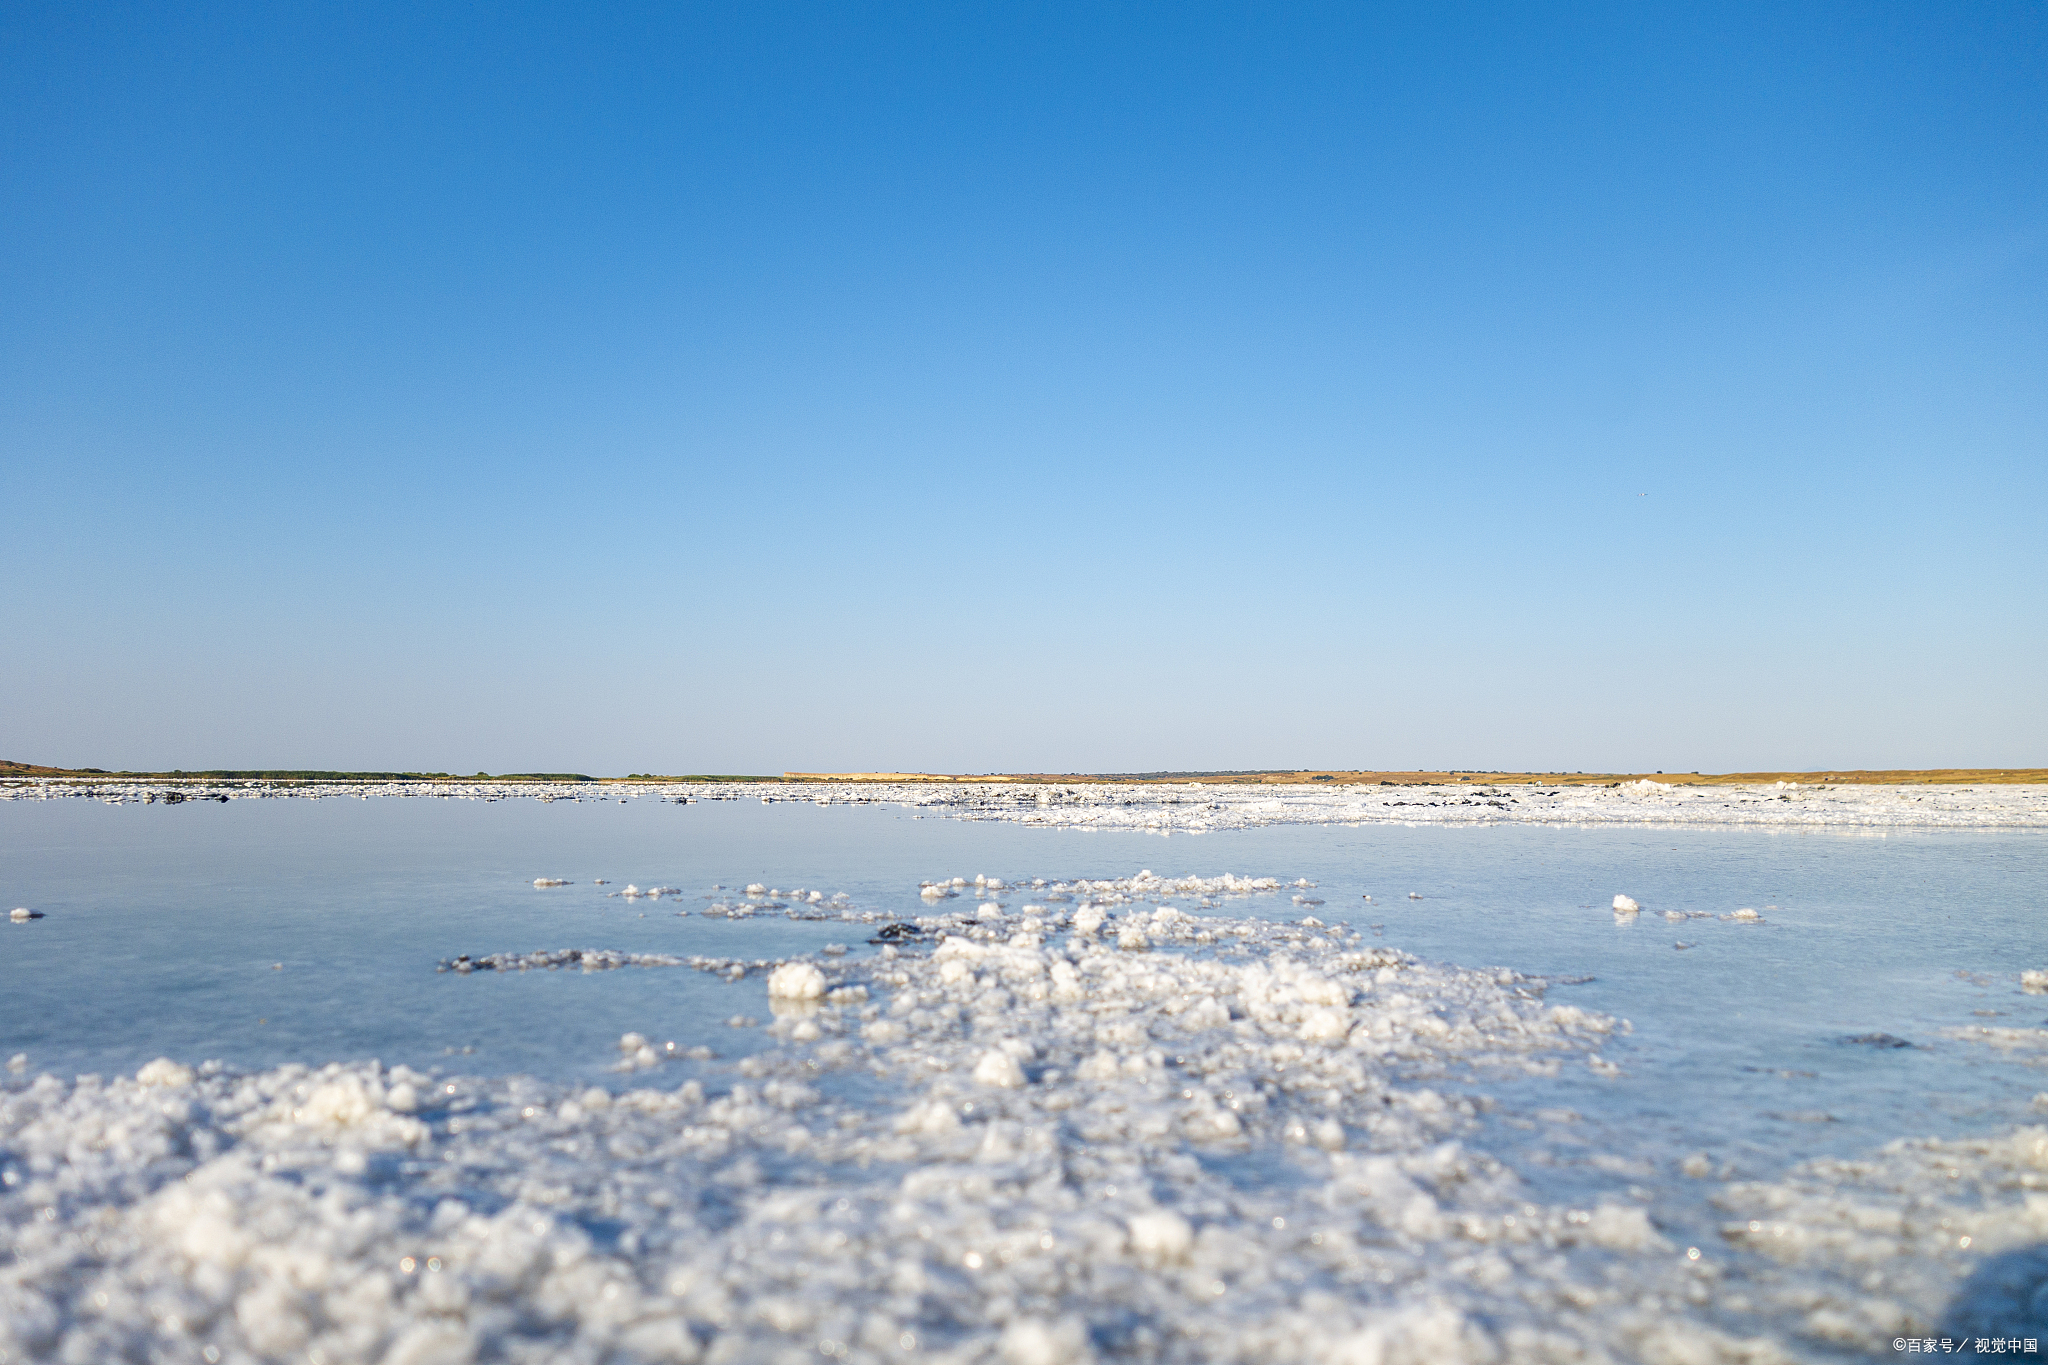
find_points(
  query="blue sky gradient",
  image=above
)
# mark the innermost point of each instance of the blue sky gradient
(749, 387)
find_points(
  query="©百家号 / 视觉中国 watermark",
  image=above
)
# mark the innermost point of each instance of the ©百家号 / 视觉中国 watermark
(1979, 1346)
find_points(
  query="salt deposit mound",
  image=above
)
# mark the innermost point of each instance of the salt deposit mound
(1238, 1142)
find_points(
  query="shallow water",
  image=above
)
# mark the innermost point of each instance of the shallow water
(268, 933)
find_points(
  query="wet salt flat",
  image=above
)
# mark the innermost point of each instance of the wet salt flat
(824, 1096)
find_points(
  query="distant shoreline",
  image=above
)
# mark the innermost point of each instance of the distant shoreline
(1314, 777)
(1460, 776)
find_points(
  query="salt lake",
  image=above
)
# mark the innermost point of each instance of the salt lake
(1034, 1090)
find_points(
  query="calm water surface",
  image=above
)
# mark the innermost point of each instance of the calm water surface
(260, 932)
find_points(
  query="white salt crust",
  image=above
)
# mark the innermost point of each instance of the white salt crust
(1009, 1141)
(1919, 1222)
(1168, 807)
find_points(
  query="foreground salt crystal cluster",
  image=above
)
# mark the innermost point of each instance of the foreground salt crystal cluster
(1099, 1126)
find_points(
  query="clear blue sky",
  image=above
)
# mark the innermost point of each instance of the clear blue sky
(964, 387)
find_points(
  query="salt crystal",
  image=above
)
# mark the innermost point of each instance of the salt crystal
(796, 981)
(999, 1068)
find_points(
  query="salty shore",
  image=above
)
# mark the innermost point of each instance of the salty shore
(1191, 807)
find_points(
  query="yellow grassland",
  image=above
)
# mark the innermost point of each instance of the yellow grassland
(17, 772)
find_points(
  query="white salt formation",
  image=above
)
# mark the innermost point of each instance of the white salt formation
(21, 914)
(999, 1068)
(1897, 1231)
(1197, 806)
(1002, 1140)
(163, 1071)
(796, 981)
(549, 881)
(1625, 905)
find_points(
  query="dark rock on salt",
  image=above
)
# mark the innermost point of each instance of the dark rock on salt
(1876, 1040)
